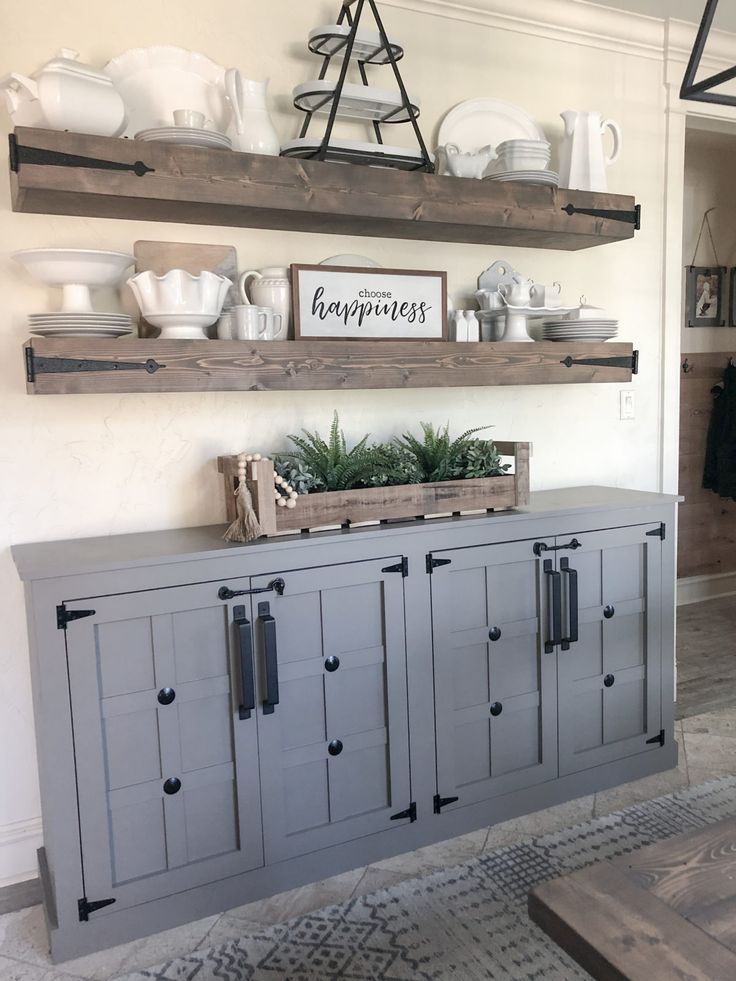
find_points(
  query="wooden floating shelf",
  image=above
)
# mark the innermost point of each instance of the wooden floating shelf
(216, 187)
(62, 366)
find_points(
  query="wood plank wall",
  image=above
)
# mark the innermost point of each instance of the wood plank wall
(707, 535)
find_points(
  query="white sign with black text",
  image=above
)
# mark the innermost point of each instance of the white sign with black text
(337, 302)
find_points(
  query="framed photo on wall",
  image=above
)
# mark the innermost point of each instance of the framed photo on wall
(704, 296)
(351, 303)
(732, 298)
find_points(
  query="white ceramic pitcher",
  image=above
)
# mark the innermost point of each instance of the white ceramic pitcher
(269, 288)
(582, 159)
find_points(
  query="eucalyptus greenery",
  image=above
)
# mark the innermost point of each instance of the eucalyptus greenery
(315, 464)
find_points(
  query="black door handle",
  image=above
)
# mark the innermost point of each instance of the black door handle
(555, 601)
(268, 626)
(572, 598)
(245, 661)
(275, 586)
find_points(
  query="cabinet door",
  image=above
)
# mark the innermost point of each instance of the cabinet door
(610, 679)
(167, 772)
(495, 688)
(334, 751)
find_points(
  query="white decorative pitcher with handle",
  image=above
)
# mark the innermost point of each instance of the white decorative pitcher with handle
(269, 288)
(582, 159)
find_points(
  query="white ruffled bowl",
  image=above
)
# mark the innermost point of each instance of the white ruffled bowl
(180, 304)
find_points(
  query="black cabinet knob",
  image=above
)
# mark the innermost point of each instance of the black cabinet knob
(496, 708)
(332, 663)
(166, 696)
(334, 748)
(609, 611)
(608, 680)
(494, 633)
(172, 785)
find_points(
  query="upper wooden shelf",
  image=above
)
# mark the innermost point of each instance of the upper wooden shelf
(70, 174)
(78, 365)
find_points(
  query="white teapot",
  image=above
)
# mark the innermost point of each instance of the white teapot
(65, 94)
(467, 164)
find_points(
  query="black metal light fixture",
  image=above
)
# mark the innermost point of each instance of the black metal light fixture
(702, 91)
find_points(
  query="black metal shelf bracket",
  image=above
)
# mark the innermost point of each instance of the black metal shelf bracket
(631, 363)
(36, 365)
(42, 157)
(630, 217)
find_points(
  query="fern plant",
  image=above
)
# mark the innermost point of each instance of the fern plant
(331, 465)
(437, 456)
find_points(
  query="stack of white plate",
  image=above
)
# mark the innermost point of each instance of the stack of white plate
(80, 324)
(547, 178)
(186, 136)
(591, 331)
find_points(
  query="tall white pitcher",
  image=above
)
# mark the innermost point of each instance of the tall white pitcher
(582, 159)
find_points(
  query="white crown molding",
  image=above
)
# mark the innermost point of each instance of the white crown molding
(11, 834)
(572, 21)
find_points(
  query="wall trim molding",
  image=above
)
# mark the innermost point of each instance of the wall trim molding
(698, 588)
(18, 843)
(572, 21)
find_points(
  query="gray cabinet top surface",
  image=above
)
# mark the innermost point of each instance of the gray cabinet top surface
(42, 560)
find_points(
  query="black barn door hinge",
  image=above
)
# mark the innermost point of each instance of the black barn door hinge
(657, 739)
(433, 563)
(85, 907)
(630, 217)
(36, 365)
(440, 802)
(402, 567)
(658, 532)
(410, 812)
(57, 158)
(64, 616)
(632, 363)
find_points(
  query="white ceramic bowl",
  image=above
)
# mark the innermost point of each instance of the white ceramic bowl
(76, 271)
(523, 155)
(181, 304)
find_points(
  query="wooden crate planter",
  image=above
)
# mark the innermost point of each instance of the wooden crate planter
(378, 503)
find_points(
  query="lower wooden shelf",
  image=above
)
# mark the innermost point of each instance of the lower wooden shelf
(72, 366)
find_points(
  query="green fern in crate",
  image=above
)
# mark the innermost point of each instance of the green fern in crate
(480, 458)
(331, 465)
(437, 456)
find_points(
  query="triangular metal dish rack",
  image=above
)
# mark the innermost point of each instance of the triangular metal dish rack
(387, 54)
(702, 91)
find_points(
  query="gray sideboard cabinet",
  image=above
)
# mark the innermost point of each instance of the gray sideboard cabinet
(216, 723)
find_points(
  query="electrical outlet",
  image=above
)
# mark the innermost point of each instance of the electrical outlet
(627, 405)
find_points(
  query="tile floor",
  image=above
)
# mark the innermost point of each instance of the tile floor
(707, 750)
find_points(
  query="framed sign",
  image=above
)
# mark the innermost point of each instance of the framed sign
(347, 303)
(704, 296)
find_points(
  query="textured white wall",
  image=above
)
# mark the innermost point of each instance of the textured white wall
(91, 465)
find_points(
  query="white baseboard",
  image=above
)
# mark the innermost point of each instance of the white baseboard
(18, 844)
(699, 588)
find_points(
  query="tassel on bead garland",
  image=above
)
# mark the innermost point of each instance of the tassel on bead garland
(246, 527)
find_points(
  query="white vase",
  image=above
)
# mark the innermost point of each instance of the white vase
(258, 133)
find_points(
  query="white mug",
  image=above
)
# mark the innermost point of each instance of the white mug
(226, 326)
(269, 288)
(546, 296)
(189, 118)
(273, 323)
(250, 323)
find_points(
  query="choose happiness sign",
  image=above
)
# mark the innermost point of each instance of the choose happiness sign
(340, 302)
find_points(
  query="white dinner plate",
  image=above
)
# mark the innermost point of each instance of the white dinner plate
(186, 136)
(478, 122)
(546, 177)
(578, 340)
(62, 317)
(70, 331)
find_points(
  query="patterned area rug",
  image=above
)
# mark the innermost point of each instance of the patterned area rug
(465, 923)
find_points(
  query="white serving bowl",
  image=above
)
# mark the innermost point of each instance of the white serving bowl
(523, 155)
(181, 304)
(76, 271)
